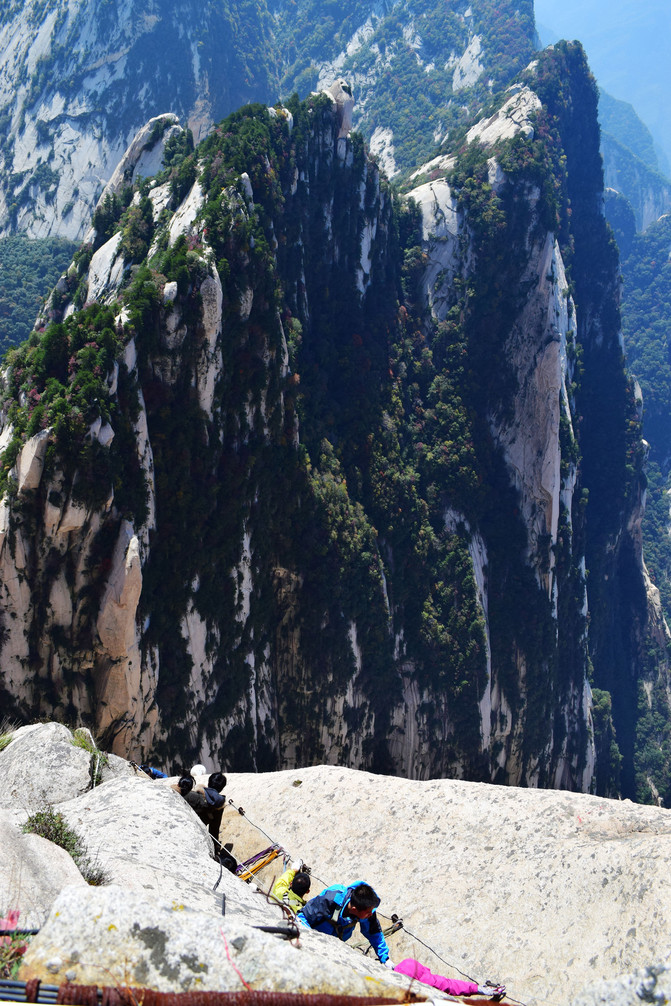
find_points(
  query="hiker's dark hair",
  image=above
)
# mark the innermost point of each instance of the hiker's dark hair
(217, 781)
(363, 896)
(301, 883)
(185, 784)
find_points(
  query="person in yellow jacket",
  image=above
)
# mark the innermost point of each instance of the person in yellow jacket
(292, 887)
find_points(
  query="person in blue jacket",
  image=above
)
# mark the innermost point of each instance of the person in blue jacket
(337, 910)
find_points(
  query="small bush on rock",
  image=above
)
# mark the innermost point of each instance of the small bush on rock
(6, 732)
(51, 824)
(81, 738)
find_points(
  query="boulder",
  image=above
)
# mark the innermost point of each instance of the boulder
(341, 94)
(646, 985)
(147, 838)
(33, 872)
(109, 936)
(30, 462)
(41, 766)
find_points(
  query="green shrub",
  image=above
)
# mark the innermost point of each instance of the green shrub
(6, 734)
(51, 824)
(81, 738)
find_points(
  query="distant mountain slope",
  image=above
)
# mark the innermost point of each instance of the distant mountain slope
(630, 162)
(646, 189)
(627, 44)
(619, 120)
(77, 80)
(418, 69)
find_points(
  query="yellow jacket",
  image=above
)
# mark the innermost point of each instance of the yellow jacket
(282, 891)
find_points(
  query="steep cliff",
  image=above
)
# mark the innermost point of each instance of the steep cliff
(77, 80)
(293, 470)
(419, 69)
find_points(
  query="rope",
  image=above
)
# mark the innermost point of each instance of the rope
(462, 973)
(242, 813)
(391, 918)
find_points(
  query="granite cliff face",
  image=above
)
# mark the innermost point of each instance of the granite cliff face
(77, 81)
(293, 471)
(540, 348)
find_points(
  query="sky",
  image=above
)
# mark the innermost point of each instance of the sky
(628, 45)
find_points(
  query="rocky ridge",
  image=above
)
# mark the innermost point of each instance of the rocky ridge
(550, 892)
(78, 80)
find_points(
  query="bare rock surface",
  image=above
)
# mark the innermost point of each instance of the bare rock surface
(32, 873)
(110, 936)
(546, 891)
(550, 892)
(645, 985)
(512, 118)
(42, 766)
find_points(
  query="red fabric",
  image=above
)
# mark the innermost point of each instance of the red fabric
(414, 969)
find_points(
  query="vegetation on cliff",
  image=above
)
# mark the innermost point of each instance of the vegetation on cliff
(401, 61)
(645, 317)
(28, 270)
(320, 518)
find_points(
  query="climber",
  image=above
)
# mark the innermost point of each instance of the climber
(153, 773)
(291, 888)
(414, 969)
(209, 802)
(338, 909)
(184, 785)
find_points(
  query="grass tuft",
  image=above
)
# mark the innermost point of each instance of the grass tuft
(51, 824)
(81, 738)
(7, 729)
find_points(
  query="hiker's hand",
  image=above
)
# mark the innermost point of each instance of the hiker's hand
(496, 992)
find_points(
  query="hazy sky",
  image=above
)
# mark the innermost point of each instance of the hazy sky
(628, 44)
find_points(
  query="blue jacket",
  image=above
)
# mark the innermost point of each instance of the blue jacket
(327, 913)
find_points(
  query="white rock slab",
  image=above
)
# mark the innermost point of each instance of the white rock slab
(110, 936)
(116, 618)
(512, 118)
(33, 872)
(104, 268)
(41, 766)
(543, 890)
